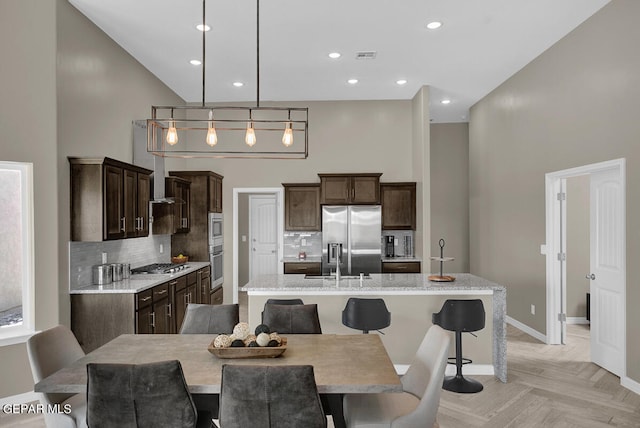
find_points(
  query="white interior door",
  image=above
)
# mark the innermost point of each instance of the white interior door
(263, 235)
(607, 271)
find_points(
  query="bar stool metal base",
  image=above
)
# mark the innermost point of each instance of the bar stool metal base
(461, 384)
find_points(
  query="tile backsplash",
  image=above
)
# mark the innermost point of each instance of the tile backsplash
(136, 251)
(309, 242)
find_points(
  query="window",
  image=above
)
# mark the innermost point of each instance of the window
(16, 250)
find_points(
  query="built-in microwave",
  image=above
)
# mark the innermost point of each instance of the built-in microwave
(215, 227)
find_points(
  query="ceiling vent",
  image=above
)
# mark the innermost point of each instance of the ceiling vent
(366, 55)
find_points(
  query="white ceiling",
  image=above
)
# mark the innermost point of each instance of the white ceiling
(480, 44)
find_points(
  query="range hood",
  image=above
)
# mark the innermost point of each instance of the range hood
(141, 157)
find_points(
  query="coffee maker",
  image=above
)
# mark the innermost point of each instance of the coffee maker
(389, 246)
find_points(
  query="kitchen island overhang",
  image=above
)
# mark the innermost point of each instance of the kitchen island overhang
(411, 299)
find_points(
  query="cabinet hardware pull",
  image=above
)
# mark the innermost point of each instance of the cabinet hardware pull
(163, 291)
(173, 282)
(144, 299)
(152, 315)
(124, 223)
(169, 310)
(186, 299)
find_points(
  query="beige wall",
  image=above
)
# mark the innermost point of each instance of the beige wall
(574, 105)
(578, 245)
(81, 107)
(450, 195)
(28, 134)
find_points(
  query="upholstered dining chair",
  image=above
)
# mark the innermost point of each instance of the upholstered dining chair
(417, 406)
(270, 397)
(210, 319)
(50, 351)
(292, 319)
(139, 396)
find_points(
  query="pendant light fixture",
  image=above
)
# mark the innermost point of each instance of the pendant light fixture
(185, 135)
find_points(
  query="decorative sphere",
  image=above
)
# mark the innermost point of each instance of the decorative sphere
(273, 344)
(274, 336)
(222, 341)
(253, 344)
(263, 339)
(262, 328)
(241, 330)
(249, 339)
(237, 343)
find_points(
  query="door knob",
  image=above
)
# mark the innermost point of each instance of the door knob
(591, 276)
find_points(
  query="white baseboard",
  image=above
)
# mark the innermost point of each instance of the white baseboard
(467, 369)
(26, 397)
(630, 384)
(577, 320)
(526, 329)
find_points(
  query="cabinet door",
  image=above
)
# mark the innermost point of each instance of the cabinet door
(365, 190)
(308, 268)
(204, 286)
(160, 316)
(217, 296)
(398, 206)
(130, 202)
(143, 320)
(179, 307)
(335, 190)
(182, 207)
(142, 209)
(212, 189)
(302, 208)
(113, 200)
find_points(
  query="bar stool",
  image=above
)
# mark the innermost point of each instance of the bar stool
(461, 316)
(366, 314)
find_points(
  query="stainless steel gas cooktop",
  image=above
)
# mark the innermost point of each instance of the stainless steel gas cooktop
(160, 268)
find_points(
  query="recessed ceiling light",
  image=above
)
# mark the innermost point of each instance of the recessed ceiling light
(401, 82)
(352, 81)
(201, 27)
(334, 55)
(238, 84)
(195, 62)
(446, 101)
(434, 25)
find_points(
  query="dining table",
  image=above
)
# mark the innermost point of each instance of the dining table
(342, 364)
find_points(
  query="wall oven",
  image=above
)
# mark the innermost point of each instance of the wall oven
(215, 227)
(216, 256)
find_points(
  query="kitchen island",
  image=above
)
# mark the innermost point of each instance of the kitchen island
(411, 299)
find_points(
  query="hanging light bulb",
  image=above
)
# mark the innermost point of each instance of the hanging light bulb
(287, 137)
(172, 134)
(212, 137)
(250, 137)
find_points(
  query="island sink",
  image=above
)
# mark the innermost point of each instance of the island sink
(333, 277)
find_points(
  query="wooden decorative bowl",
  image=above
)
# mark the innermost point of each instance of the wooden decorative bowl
(245, 352)
(443, 278)
(183, 259)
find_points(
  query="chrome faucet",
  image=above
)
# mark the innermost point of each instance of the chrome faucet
(338, 270)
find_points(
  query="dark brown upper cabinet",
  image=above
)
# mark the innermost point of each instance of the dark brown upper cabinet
(301, 207)
(109, 199)
(398, 206)
(350, 189)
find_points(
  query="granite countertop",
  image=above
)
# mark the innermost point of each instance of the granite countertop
(137, 283)
(386, 282)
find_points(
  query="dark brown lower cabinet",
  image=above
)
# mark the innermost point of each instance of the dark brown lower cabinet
(98, 318)
(307, 268)
(401, 267)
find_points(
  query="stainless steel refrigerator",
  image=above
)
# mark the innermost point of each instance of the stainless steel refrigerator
(351, 235)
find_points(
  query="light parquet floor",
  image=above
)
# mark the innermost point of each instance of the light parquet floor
(547, 386)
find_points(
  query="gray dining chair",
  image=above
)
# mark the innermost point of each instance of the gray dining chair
(292, 319)
(270, 397)
(210, 319)
(153, 395)
(50, 351)
(417, 406)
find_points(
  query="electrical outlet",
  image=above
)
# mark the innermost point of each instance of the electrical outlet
(303, 242)
(533, 309)
(244, 238)
(161, 248)
(104, 258)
